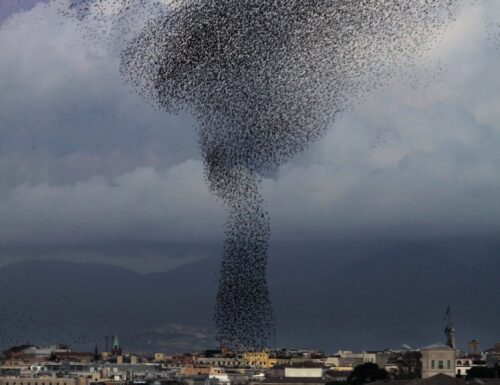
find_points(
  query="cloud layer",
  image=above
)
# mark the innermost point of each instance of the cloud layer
(86, 164)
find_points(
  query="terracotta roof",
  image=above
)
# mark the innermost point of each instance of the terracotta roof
(439, 345)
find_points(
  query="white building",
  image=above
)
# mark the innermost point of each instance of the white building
(463, 365)
(304, 372)
(438, 359)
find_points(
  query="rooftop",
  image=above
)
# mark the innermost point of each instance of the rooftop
(437, 346)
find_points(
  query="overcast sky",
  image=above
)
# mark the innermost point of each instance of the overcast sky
(90, 172)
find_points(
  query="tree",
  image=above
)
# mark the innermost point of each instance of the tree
(480, 372)
(365, 373)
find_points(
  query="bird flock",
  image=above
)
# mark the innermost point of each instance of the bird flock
(264, 79)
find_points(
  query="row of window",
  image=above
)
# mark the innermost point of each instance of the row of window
(225, 363)
(440, 364)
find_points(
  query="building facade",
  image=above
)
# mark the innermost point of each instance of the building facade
(438, 359)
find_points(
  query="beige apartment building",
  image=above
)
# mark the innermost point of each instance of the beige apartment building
(438, 359)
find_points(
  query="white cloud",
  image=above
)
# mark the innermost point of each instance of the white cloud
(142, 205)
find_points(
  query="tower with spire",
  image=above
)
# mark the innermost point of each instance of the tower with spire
(449, 330)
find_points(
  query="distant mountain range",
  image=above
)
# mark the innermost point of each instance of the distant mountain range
(326, 295)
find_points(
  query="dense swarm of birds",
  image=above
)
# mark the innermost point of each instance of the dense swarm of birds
(264, 78)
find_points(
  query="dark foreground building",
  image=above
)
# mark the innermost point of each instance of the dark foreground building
(440, 379)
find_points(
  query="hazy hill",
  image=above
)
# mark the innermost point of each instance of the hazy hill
(325, 295)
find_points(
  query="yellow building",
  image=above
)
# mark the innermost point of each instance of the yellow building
(162, 357)
(257, 359)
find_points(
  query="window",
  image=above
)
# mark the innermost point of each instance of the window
(440, 365)
(459, 362)
(459, 371)
(448, 364)
(433, 364)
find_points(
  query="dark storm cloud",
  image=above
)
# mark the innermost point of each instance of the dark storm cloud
(83, 159)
